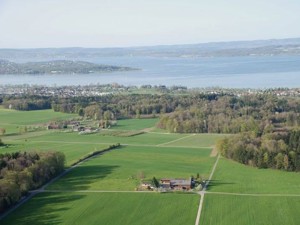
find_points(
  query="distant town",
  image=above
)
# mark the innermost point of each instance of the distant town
(115, 88)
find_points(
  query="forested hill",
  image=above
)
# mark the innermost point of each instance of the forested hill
(57, 67)
(273, 47)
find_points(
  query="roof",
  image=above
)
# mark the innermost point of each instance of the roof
(181, 182)
(177, 181)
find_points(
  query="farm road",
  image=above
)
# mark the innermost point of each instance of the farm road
(202, 193)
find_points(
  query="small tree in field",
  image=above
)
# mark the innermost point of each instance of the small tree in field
(1, 143)
(155, 182)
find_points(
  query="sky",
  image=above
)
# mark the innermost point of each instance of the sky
(124, 23)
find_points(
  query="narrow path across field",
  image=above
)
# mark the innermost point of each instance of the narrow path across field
(254, 195)
(124, 144)
(166, 143)
(202, 193)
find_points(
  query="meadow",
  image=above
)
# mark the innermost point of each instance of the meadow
(95, 191)
(140, 157)
(240, 194)
(125, 167)
(12, 120)
(72, 151)
(249, 210)
(234, 177)
(135, 124)
(106, 208)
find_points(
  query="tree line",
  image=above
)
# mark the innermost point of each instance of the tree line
(23, 171)
(122, 105)
(232, 114)
(277, 150)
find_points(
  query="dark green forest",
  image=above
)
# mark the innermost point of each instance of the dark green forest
(24, 171)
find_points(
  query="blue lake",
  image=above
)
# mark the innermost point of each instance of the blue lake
(235, 72)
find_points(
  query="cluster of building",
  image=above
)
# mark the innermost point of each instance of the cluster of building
(100, 90)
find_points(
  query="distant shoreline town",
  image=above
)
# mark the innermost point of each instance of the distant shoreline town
(115, 88)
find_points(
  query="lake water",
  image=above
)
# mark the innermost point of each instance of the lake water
(235, 72)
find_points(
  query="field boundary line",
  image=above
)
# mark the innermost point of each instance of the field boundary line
(176, 140)
(95, 191)
(254, 195)
(212, 173)
(203, 192)
(123, 144)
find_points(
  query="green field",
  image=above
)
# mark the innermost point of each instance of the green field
(270, 199)
(80, 196)
(72, 151)
(249, 210)
(107, 209)
(234, 177)
(143, 139)
(196, 140)
(120, 168)
(150, 154)
(135, 124)
(12, 120)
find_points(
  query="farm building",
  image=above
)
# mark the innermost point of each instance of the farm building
(176, 184)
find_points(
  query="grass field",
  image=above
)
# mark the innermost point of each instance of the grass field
(121, 168)
(249, 210)
(196, 140)
(11, 120)
(234, 177)
(107, 209)
(135, 124)
(72, 151)
(143, 139)
(158, 154)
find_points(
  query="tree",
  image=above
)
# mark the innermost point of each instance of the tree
(155, 182)
(81, 112)
(1, 143)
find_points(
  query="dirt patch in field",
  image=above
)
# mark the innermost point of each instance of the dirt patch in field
(214, 152)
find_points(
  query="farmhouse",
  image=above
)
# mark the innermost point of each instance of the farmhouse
(176, 184)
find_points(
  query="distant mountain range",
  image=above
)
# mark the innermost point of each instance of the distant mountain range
(217, 49)
(57, 67)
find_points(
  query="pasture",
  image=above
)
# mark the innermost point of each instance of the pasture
(72, 151)
(234, 177)
(196, 140)
(12, 120)
(95, 191)
(123, 168)
(249, 210)
(107, 208)
(135, 124)
(145, 139)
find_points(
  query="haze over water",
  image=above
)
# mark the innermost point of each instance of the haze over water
(231, 72)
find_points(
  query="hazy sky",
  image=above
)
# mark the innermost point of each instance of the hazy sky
(113, 23)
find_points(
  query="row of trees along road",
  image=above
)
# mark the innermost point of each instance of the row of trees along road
(23, 171)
